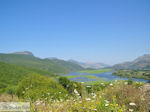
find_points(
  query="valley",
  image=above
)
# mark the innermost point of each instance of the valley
(74, 55)
(50, 82)
(103, 75)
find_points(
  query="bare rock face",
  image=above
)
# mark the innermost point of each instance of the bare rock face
(24, 53)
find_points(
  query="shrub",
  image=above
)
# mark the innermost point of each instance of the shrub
(71, 86)
(130, 81)
(64, 81)
(39, 87)
(11, 90)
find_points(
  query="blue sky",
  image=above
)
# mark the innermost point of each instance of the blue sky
(109, 31)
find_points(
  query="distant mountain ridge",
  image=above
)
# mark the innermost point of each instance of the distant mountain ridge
(90, 64)
(23, 53)
(140, 63)
(27, 59)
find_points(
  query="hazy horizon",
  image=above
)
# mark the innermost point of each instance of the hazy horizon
(108, 31)
(71, 59)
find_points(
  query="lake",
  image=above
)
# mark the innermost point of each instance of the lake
(107, 76)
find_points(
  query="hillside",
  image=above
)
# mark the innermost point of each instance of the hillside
(29, 60)
(11, 74)
(141, 63)
(69, 65)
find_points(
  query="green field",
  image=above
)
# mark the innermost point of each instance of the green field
(87, 76)
(99, 81)
(96, 71)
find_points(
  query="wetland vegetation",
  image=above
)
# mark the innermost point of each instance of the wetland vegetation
(139, 74)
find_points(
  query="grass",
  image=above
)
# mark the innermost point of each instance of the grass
(113, 98)
(87, 76)
(100, 80)
(97, 71)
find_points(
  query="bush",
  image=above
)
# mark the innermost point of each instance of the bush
(64, 81)
(11, 90)
(71, 86)
(39, 87)
(130, 81)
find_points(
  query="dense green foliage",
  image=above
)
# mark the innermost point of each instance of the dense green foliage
(10, 74)
(87, 76)
(40, 87)
(71, 86)
(54, 66)
(142, 74)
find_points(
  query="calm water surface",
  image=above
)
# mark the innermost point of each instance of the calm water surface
(107, 76)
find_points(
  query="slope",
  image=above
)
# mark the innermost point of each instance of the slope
(53, 66)
(11, 74)
(141, 63)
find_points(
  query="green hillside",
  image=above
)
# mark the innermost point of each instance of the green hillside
(10, 74)
(67, 64)
(54, 66)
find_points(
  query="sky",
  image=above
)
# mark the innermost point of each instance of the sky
(108, 31)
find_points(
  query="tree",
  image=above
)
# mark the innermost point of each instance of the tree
(64, 81)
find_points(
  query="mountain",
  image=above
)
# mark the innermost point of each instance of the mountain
(27, 59)
(69, 65)
(141, 63)
(90, 64)
(23, 52)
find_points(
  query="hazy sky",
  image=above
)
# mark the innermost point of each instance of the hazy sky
(109, 31)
